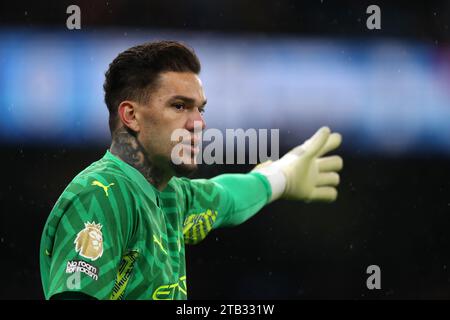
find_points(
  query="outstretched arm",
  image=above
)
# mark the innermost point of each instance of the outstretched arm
(231, 199)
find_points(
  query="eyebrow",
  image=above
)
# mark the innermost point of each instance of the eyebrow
(187, 100)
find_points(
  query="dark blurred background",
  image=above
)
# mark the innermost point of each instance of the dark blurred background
(266, 64)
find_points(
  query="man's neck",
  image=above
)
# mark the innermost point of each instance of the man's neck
(127, 147)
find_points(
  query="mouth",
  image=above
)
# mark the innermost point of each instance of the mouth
(191, 148)
(192, 143)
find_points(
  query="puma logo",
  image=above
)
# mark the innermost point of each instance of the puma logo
(101, 185)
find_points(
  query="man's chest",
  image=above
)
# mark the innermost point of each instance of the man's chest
(158, 260)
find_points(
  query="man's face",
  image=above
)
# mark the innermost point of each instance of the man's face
(176, 103)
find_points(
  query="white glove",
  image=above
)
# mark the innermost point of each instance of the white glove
(302, 173)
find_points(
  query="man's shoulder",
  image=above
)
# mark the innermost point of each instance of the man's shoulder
(179, 186)
(192, 185)
(178, 182)
(103, 177)
(190, 188)
(102, 188)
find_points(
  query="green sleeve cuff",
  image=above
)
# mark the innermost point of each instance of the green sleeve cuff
(266, 184)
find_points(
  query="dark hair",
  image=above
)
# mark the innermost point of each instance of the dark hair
(134, 71)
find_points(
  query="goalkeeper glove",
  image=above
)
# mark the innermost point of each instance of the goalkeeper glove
(303, 173)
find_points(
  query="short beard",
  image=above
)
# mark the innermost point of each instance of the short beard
(183, 170)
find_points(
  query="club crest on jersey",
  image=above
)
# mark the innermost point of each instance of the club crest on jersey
(89, 241)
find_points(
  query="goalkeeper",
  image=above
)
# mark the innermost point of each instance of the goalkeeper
(119, 229)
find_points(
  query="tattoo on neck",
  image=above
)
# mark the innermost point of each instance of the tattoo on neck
(126, 146)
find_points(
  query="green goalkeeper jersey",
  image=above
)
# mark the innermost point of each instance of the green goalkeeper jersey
(112, 235)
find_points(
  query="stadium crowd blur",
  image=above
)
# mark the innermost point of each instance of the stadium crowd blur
(394, 202)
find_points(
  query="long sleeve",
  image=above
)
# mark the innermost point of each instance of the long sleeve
(225, 200)
(243, 195)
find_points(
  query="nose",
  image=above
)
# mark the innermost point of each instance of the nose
(195, 120)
